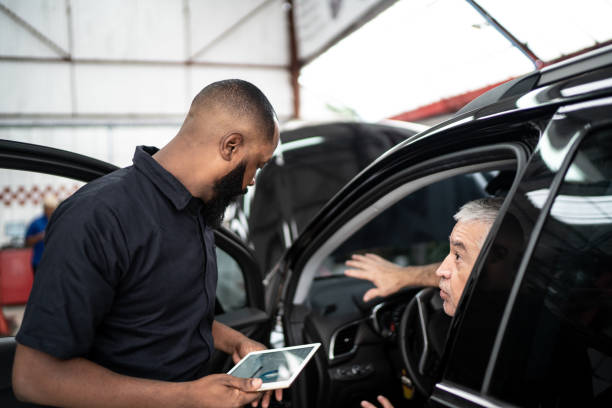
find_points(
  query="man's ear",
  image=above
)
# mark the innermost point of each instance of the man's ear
(230, 144)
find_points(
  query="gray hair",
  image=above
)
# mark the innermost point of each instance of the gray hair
(483, 210)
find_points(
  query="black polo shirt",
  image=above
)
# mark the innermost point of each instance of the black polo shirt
(128, 277)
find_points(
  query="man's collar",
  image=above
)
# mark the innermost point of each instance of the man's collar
(165, 181)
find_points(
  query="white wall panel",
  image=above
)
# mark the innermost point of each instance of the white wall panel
(208, 18)
(130, 89)
(113, 144)
(89, 141)
(34, 88)
(134, 29)
(17, 41)
(125, 139)
(260, 38)
(46, 16)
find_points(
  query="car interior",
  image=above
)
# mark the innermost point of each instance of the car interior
(379, 347)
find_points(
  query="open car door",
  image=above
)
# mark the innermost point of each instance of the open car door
(40, 169)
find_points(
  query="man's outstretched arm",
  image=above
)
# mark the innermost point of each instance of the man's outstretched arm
(43, 379)
(387, 276)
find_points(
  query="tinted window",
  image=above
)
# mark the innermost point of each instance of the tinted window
(557, 349)
(478, 314)
(316, 163)
(415, 230)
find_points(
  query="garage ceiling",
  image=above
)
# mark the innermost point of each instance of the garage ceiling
(143, 60)
(146, 59)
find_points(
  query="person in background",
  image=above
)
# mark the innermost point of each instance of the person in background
(35, 234)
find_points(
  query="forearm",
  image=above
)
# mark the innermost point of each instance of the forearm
(226, 339)
(43, 379)
(34, 239)
(422, 275)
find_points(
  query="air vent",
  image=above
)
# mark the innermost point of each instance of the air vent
(343, 341)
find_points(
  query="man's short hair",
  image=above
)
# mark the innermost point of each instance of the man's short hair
(482, 210)
(242, 98)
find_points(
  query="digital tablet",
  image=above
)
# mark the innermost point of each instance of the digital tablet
(277, 368)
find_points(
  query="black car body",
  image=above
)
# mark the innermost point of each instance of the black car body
(534, 330)
(312, 163)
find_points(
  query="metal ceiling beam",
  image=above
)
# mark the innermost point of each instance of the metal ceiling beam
(225, 33)
(37, 34)
(522, 47)
(73, 92)
(294, 64)
(102, 61)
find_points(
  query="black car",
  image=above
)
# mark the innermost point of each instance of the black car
(535, 331)
(312, 163)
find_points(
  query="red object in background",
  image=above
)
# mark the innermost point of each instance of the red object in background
(16, 276)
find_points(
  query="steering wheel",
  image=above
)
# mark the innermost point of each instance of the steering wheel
(422, 334)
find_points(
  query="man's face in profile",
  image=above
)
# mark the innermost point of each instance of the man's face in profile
(466, 239)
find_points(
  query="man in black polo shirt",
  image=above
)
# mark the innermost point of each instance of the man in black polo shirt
(122, 309)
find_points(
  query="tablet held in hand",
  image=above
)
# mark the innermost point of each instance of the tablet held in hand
(277, 368)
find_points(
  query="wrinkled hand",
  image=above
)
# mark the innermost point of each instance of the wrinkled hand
(244, 348)
(225, 391)
(383, 401)
(386, 276)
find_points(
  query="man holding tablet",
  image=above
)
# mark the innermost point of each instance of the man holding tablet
(121, 313)
(276, 368)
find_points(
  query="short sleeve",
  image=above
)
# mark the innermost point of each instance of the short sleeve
(75, 283)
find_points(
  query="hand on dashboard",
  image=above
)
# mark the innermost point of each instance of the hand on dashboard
(383, 401)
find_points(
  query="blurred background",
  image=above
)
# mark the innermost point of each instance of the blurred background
(101, 77)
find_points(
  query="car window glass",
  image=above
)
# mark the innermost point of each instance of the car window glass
(231, 292)
(415, 230)
(557, 348)
(481, 308)
(21, 198)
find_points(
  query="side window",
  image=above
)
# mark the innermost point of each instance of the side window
(415, 230)
(231, 291)
(22, 195)
(557, 348)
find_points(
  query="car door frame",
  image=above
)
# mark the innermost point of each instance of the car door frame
(460, 157)
(572, 130)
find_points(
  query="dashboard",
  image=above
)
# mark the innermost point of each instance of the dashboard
(361, 357)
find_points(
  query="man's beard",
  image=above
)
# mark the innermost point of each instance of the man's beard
(225, 190)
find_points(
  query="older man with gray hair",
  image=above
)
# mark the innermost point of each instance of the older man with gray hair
(474, 220)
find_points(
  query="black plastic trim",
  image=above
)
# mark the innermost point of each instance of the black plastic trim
(577, 65)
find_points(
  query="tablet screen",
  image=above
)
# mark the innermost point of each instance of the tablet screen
(276, 365)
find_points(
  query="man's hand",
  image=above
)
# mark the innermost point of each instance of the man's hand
(242, 349)
(386, 276)
(222, 390)
(383, 401)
